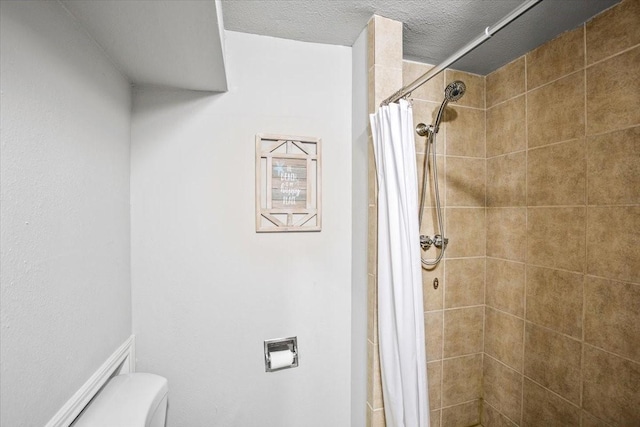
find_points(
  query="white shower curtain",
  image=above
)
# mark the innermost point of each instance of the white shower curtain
(400, 310)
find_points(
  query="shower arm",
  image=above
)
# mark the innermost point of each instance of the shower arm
(487, 34)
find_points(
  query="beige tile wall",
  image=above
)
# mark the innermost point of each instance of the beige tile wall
(454, 317)
(537, 317)
(385, 77)
(562, 327)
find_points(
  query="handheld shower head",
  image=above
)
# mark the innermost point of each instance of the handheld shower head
(452, 92)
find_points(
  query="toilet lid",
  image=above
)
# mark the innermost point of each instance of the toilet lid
(128, 400)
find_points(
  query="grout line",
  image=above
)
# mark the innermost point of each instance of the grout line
(461, 403)
(550, 82)
(505, 101)
(553, 392)
(613, 130)
(629, 205)
(464, 157)
(582, 352)
(505, 312)
(608, 279)
(604, 350)
(466, 257)
(507, 154)
(465, 307)
(526, 238)
(418, 100)
(547, 328)
(564, 141)
(468, 107)
(506, 260)
(482, 401)
(486, 250)
(586, 226)
(602, 422)
(438, 103)
(608, 57)
(503, 364)
(467, 207)
(555, 206)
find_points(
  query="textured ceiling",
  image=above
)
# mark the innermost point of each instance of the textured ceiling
(433, 29)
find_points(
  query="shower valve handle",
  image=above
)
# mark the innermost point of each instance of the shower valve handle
(425, 242)
(438, 241)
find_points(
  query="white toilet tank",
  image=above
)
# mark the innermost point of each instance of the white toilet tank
(130, 400)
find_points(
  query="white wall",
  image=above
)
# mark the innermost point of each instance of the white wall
(360, 203)
(65, 261)
(207, 289)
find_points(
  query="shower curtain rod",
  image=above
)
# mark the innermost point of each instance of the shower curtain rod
(488, 33)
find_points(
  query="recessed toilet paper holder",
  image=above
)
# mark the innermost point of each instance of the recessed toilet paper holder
(279, 346)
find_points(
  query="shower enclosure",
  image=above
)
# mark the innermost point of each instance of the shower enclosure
(535, 318)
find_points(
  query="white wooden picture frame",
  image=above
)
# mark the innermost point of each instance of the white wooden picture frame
(288, 183)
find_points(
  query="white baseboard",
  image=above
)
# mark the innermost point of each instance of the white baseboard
(120, 362)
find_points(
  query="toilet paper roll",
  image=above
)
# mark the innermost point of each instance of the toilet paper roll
(281, 359)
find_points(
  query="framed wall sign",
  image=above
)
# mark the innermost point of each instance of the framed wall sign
(288, 183)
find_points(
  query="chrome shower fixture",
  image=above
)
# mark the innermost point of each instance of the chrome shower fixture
(422, 129)
(453, 92)
(438, 241)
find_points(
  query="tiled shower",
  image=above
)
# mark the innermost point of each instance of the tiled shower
(536, 320)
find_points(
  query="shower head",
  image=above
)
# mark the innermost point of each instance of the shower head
(454, 90)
